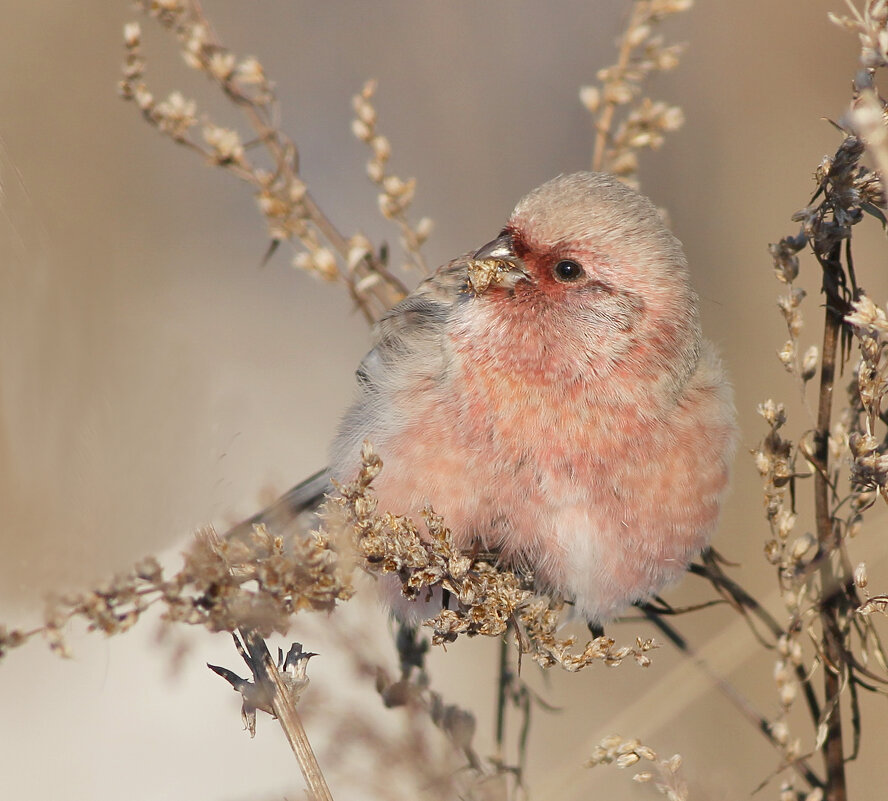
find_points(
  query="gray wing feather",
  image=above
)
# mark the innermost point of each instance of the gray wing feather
(411, 353)
(304, 498)
(410, 346)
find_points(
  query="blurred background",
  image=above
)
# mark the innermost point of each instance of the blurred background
(155, 378)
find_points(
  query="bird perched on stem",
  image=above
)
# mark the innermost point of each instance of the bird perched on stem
(550, 394)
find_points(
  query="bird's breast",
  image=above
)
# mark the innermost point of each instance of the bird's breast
(604, 502)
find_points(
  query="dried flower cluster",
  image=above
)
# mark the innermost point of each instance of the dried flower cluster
(775, 459)
(870, 27)
(489, 598)
(867, 113)
(260, 581)
(396, 194)
(866, 435)
(483, 273)
(664, 774)
(625, 121)
(845, 190)
(269, 162)
(873, 603)
(786, 268)
(223, 585)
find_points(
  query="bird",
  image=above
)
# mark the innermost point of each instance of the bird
(569, 416)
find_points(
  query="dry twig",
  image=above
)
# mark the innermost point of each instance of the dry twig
(625, 121)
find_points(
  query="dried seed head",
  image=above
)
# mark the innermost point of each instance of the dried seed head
(132, 34)
(225, 144)
(627, 760)
(860, 576)
(787, 355)
(483, 273)
(788, 693)
(221, 65)
(250, 71)
(774, 413)
(590, 97)
(809, 363)
(803, 546)
(780, 732)
(325, 263)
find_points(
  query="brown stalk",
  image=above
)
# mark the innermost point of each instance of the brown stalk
(394, 290)
(610, 106)
(285, 156)
(833, 648)
(266, 674)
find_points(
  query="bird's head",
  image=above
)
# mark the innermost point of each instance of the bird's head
(589, 264)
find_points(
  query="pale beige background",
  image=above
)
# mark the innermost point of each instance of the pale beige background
(154, 378)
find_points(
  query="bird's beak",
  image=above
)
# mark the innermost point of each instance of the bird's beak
(502, 250)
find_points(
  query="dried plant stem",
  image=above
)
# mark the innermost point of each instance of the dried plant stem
(291, 214)
(502, 685)
(392, 290)
(607, 114)
(283, 152)
(266, 674)
(833, 751)
(285, 156)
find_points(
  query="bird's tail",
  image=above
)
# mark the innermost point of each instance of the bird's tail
(293, 512)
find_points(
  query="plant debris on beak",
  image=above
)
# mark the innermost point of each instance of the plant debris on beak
(494, 263)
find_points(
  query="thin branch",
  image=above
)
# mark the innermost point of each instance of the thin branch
(266, 674)
(743, 601)
(605, 122)
(732, 694)
(833, 642)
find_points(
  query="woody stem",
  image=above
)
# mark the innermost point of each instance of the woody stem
(832, 644)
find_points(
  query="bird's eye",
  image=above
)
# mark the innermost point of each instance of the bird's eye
(568, 271)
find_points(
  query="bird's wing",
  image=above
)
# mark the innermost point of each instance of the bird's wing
(411, 356)
(278, 518)
(414, 327)
(409, 345)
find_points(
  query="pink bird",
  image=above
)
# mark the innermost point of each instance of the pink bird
(570, 417)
